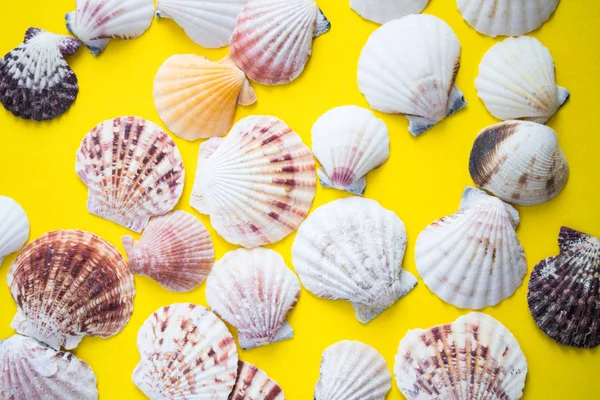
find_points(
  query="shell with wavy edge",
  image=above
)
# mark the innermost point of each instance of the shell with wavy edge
(382, 11)
(254, 384)
(14, 226)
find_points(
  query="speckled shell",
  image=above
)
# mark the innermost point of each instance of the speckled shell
(175, 250)
(254, 291)
(564, 291)
(254, 384)
(409, 66)
(186, 353)
(132, 169)
(474, 357)
(352, 370)
(349, 142)
(70, 284)
(31, 370)
(257, 184)
(14, 226)
(520, 162)
(473, 258)
(352, 249)
(382, 11)
(35, 80)
(272, 40)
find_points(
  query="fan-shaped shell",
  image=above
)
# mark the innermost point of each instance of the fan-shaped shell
(70, 284)
(349, 142)
(35, 80)
(352, 249)
(382, 11)
(520, 162)
(272, 39)
(474, 357)
(473, 258)
(175, 250)
(254, 384)
(352, 370)
(31, 370)
(186, 353)
(254, 291)
(14, 226)
(409, 66)
(564, 291)
(257, 184)
(132, 169)
(197, 98)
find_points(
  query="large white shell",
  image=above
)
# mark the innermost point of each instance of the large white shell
(254, 384)
(382, 11)
(352, 249)
(349, 142)
(409, 66)
(473, 258)
(14, 227)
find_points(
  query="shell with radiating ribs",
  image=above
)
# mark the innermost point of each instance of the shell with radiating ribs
(14, 226)
(254, 384)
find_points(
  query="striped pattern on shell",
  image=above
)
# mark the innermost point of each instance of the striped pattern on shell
(14, 226)
(254, 384)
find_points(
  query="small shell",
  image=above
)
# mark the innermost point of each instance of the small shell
(35, 80)
(564, 291)
(186, 353)
(352, 249)
(132, 169)
(382, 11)
(272, 39)
(474, 357)
(70, 284)
(254, 291)
(352, 370)
(197, 98)
(349, 142)
(473, 258)
(409, 66)
(254, 384)
(31, 370)
(175, 250)
(257, 184)
(520, 162)
(14, 227)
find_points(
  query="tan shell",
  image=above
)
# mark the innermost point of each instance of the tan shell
(254, 384)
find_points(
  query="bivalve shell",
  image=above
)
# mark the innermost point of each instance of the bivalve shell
(254, 384)
(382, 11)
(14, 227)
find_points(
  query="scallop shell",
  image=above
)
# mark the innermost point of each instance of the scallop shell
(520, 162)
(175, 250)
(70, 284)
(35, 80)
(349, 142)
(564, 291)
(352, 249)
(272, 40)
(186, 353)
(31, 370)
(473, 258)
(197, 98)
(254, 291)
(95, 22)
(14, 227)
(506, 17)
(516, 81)
(474, 357)
(132, 169)
(409, 66)
(254, 384)
(382, 11)
(257, 184)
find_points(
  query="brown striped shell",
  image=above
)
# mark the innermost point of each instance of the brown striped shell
(254, 384)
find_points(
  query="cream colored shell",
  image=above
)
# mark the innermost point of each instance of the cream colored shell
(382, 11)
(14, 226)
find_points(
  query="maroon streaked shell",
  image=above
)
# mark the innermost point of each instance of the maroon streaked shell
(254, 384)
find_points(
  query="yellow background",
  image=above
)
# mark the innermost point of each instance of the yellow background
(422, 181)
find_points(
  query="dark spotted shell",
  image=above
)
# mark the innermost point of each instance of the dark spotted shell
(254, 384)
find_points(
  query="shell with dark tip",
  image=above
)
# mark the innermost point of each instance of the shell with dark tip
(254, 384)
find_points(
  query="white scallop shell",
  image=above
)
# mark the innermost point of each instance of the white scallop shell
(349, 142)
(14, 226)
(254, 384)
(352, 249)
(382, 11)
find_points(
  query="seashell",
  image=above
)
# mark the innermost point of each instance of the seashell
(409, 66)
(382, 11)
(506, 17)
(95, 22)
(564, 291)
(272, 39)
(70, 284)
(473, 258)
(132, 169)
(175, 250)
(352, 249)
(31, 370)
(254, 384)
(255, 292)
(14, 227)
(197, 98)
(257, 184)
(520, 162)
(474, 357)
(349, 142)
(35, 80)
(186, 352)
(516, 81)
